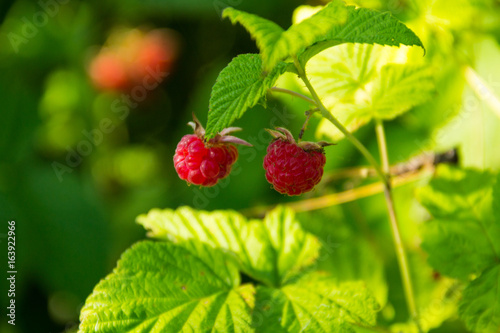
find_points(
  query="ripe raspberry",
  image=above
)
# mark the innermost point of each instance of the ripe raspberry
(293, 168)
(203, 163)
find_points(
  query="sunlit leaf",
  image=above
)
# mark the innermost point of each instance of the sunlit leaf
(362, 26)
(277, 44)
(314, 304)
(272, 251)
(400, 87)
(359, 82)
(160, 287)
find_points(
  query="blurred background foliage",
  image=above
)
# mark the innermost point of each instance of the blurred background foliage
(79, 161)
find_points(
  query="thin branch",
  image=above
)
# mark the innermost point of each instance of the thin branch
(384, 176)
(326, 114)
(396, 235)
(304, 127)
(416, 163)
(293, 93)
(345, 196)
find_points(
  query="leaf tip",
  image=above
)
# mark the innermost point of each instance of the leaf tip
(226, 13)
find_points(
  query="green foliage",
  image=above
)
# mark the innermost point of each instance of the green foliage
(271, 251)
(190, 280)
(384, 93)
(463, 238)
(277, 44)
(364, 264)
(314, 304)
(400, 87)
(332, 25)
(164, 287)
(463, 241)
(268, 276)
(480, 306)
(365, 26)
(368, 81)
(239, 86)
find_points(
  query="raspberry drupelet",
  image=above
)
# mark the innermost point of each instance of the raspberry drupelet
(293, 168)
(205, 162)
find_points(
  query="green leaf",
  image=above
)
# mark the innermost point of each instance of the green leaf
(480, 306)
(391, 92)
(272, 251)
(399, 87)
(464, 238)
(276, 44)
(365, 26)
(358, 82)
(191, 283)
(162, 287)
(365, 264)
(314, 304)
(239, 86)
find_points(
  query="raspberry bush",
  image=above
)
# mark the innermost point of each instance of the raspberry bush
(346, 67)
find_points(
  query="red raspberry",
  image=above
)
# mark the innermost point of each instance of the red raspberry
(204, 163)
(293, 168)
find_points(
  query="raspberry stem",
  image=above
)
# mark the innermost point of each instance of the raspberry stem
(396, 236)
(293, 93)
(384, 176)
(303, 129)
(326, 114)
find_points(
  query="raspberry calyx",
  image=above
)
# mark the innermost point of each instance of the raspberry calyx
(293, 168)
(204, 162)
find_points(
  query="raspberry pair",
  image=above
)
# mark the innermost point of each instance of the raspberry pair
(291, 168)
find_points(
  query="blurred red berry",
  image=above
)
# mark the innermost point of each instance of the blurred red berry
(157, 53)
(133, 57)
(108, 72)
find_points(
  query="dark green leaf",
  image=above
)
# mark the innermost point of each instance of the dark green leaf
(240, 86)
(480, 306)
(464, 238)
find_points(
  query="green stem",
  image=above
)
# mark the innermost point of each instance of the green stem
(326, 114)
(303, 129)
(384, 176)
(293, 93)
(396, 236)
